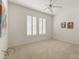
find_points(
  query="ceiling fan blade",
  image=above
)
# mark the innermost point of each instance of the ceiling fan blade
(45, 8)
(50, 9)
(50, 1)
(57, 6)
(53, 1)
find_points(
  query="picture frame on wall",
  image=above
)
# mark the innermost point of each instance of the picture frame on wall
(70, 25)
(63, 24)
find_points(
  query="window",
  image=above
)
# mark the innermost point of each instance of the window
(29, 25)
(42, 26)
(34, 25)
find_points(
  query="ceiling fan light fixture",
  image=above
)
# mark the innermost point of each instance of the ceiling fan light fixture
(51, 6)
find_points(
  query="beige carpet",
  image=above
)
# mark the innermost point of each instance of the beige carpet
(50, 49)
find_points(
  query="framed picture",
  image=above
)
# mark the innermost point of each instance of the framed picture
(70, 25)
(63, 25)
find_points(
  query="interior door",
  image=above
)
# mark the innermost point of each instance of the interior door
(3, 28)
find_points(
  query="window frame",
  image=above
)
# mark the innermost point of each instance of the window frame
(43, 26)
(37, 24)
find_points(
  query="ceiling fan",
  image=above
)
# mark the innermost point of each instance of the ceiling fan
(51, 5)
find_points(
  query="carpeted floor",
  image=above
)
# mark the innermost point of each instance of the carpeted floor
(50, 49)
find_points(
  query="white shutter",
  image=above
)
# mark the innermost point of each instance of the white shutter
(29, 25)
(34, 25)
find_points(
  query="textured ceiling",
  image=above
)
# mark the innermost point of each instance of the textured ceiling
(41, 4)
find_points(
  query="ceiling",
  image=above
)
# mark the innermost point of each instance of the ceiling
(41, 4)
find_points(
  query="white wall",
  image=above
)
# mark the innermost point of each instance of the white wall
(67, 14)
(17, 25)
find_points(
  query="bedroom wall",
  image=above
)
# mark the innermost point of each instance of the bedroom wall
(67, 14)
(17, 25)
